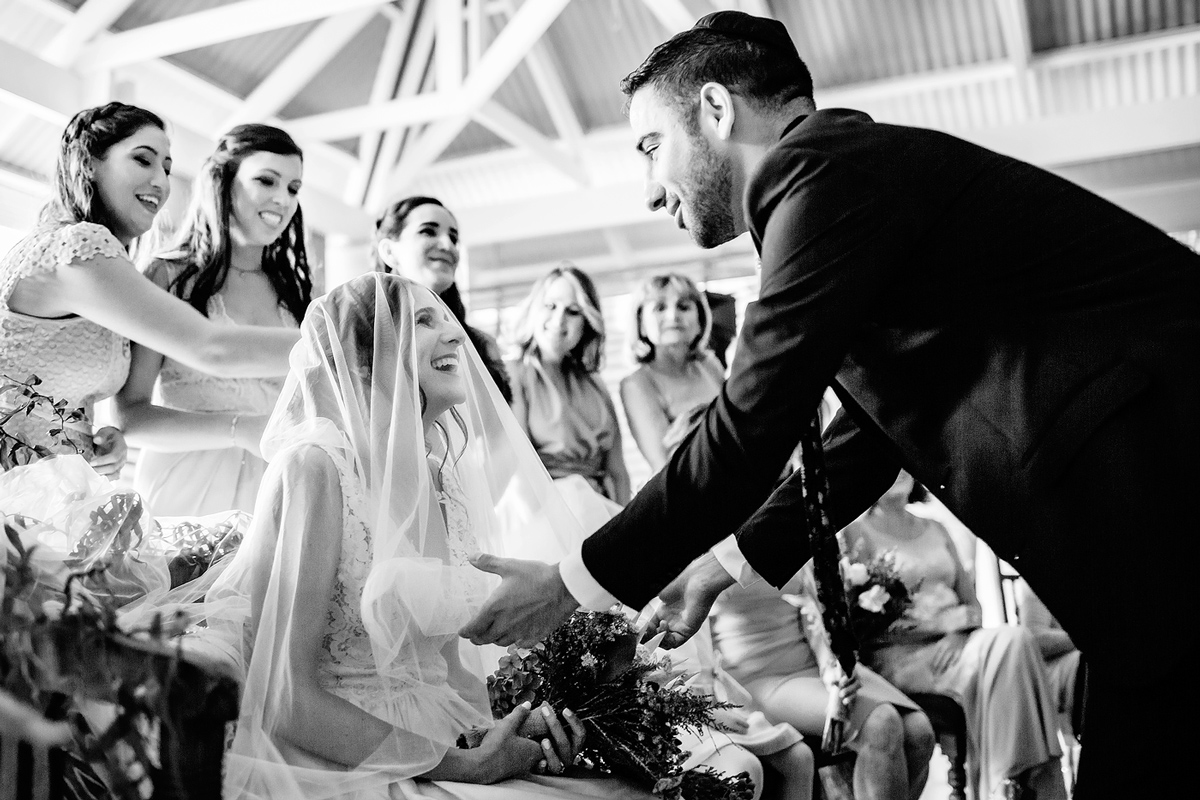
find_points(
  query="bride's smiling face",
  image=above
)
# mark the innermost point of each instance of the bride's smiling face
(439, 340)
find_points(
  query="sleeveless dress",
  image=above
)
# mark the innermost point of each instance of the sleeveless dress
(77, 360)
(573, 435)
(422, 690)
(204, 482)
(682, 410)
(762, 645)
(998, 679)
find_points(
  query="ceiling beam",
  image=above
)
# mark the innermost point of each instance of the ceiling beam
(515, 41)
(449, 53)
(400, 112)
(413, 76)
(203, 28)
(91, 18)
(519, 133)
(383, 87)
(299, 67)
(547, 78)
(1018, 42)
(673, 14)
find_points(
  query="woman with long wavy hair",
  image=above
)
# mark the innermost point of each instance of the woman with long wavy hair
(559, 400)
(239, 259)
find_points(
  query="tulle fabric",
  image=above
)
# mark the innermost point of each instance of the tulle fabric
(349, 457)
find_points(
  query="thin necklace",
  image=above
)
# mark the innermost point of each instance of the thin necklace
(244, 271)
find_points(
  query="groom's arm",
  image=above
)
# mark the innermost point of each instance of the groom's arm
(828, 239)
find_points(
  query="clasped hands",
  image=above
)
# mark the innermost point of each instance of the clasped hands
(529, 740)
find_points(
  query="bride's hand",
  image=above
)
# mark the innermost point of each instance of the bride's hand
(504, 753)
(543, 726)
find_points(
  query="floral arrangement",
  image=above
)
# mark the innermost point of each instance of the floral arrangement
(875, 593)
(630, 702)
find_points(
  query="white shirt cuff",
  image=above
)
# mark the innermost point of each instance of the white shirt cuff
(729, 556)
(582, 586)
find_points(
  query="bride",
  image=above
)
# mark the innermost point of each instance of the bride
(390, 454)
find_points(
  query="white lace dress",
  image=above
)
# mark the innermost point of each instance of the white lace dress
(425, 687)
(77, 360)
(200, 482)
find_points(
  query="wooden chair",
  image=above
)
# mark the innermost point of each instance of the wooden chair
(950, 728)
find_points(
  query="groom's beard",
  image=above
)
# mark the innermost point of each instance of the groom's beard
(709, 189)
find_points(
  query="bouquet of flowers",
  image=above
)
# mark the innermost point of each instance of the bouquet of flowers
(630, 702)
(875, 593)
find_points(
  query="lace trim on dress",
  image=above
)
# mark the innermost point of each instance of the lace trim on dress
(344, 625)
(81, 241)
(461, 539)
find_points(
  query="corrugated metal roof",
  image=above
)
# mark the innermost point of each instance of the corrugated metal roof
(865, 40)
(1062, 23)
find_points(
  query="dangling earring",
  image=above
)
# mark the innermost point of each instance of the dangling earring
(424, 403)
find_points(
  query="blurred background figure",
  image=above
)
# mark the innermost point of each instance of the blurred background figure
(938, 647)
(1059, 652)
(418, 238)
(679, 375)
(558, 398)
(239, 258)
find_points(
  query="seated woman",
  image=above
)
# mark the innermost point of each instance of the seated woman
(763, 647)
(239, 259)
(995, 674)
(558, 400)
(678, 375)
(1058, 651)
(71, 299)
(388, 459)
(418, 238)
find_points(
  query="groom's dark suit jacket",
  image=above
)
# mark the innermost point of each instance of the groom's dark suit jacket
(980, 319)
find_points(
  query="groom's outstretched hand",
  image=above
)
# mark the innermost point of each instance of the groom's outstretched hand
(686, 601)
(531, 602)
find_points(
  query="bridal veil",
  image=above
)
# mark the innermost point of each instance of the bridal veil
(349, 457)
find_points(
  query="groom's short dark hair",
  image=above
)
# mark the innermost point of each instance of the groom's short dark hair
(751, 56)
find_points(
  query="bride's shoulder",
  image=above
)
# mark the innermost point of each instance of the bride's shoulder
(309, 463)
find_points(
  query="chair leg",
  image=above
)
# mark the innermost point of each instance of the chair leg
(957, 775)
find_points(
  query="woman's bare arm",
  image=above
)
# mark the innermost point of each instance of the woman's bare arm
(111, 292)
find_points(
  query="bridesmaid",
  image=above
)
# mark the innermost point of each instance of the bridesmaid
(938, 646)
(417, 238)
(679, 376)
(239, 259)
(557, 398)
(71, 298)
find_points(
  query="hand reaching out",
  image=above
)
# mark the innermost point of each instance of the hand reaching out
(687, 600)
(531, 602)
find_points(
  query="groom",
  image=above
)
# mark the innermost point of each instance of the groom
(1027, 350)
